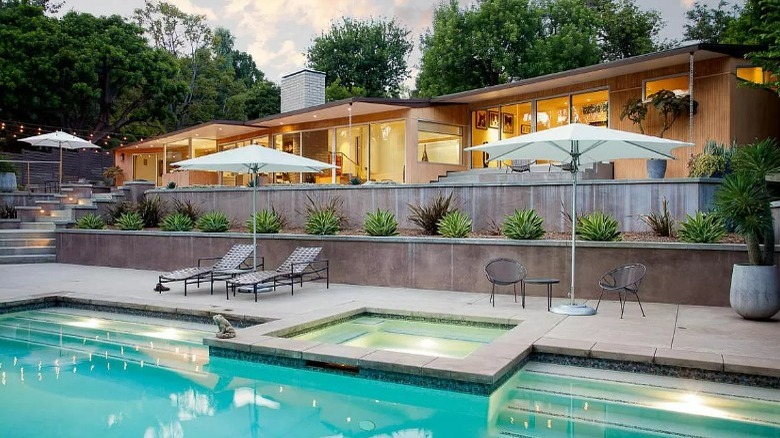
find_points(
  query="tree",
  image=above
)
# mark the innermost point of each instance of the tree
(47, 5)
(336, 91)
(709, 25)
(765, 20)
(625, 30)
(263, 99)
(370, 54)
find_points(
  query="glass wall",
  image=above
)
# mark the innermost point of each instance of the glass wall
(240, 179)
(386, 151)
(175, 152)
(352, 146)
(516, 119)
(484, 129)
(439, 143)
(591, 108)
(551, 113)
(147, 167)
(314, 145)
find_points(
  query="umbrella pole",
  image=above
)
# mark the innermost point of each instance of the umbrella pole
(254, 220)
(60, 186)
(573, 228)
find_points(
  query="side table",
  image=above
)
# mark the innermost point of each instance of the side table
(548, 281)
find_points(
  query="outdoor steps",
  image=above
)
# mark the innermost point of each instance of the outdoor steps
(500, 175)
(28, 244)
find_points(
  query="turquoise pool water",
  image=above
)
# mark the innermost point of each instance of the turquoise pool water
(73, 373)
(440, 339)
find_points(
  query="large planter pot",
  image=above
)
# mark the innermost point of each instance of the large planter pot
(656, 168)
(755, 292)
(7, 182)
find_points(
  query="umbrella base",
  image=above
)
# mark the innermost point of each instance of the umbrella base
(573, 310)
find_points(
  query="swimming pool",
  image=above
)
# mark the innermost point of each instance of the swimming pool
(405, 335)
(75, 373)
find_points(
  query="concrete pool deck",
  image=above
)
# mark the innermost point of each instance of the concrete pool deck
(707, 338)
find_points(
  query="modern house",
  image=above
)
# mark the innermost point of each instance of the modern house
(418, 140)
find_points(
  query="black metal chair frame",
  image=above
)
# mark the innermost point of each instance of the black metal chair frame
(504, 281)
(624, 279)
(520, 168)
(309, 270)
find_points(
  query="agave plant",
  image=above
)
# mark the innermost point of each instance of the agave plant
(91, 221)
(265, 221)
(455, 224)
(130, 221)
(213, 222)
(381, 223)
(524, 225)
(176, 222)
(598, 227)
(702, 228)
(323, 222)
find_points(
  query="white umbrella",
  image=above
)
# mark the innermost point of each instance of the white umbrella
(579, 144)
(253, 159)
(60, 140)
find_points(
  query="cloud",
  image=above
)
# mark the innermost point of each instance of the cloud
(687, 4)
(189, 7)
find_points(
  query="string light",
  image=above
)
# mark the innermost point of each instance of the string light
(16, 127)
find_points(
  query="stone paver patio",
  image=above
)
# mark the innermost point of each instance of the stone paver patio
(711, 338)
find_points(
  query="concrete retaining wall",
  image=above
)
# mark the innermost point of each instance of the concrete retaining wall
(677, 273)
(626, 201)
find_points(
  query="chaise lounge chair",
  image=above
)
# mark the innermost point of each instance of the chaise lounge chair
(229, 265)
(302, 265)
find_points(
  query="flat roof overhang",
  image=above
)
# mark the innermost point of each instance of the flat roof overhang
(214, 130)
(359, 106)
(650, 61)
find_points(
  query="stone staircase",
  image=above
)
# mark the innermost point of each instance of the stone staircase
(538, 173)
(31, 238)
(33, 242)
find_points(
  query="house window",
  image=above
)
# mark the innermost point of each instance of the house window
(676, 84)
(439, 143)
(552, 112)
(756, 75)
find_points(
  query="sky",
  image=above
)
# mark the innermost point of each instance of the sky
(277, 32)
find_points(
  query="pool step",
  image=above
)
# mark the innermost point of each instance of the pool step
(555, 404)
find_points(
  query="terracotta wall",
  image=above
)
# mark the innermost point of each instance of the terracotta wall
(677, 273)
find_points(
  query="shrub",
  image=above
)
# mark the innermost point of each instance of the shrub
(111, 173)
(213, 222)
(265, 221)
(176, 222)
(334, 204)
(323, 222)
(662, 224)
(6, 167)
(455, 224)
(381, 223)
(702, 228)
(117, 210)
(186, 208)
(598, 227)
(7, 211)
(523, 225)
(355, 180)
(715, 160)
(171, 185)
(151, 209)
(427, 216)
(130, 221)
(91, 222)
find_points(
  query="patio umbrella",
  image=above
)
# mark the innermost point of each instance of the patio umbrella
(577, 144)
(60, 140)
(253, 159)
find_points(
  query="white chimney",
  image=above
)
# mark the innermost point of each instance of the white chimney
(302, 89)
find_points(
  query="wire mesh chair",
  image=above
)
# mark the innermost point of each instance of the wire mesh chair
(623, 280)
(504, 272)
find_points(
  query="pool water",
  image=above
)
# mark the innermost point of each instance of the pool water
(72, 373)
(407, 336)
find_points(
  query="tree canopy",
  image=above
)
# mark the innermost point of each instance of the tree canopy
(107, 75)
(496, 41)
(709, 25)
(363, 54)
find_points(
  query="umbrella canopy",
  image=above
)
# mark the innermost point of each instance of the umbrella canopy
(579, 144)
(60, 140)
(253, 159)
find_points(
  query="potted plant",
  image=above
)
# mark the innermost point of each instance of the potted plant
(669, 106)
(743, 200)
(110, 174)
(7, 176)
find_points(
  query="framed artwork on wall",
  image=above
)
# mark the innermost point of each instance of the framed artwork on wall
(492, 119)
(481, 119)
(508, 127)
(525, 129)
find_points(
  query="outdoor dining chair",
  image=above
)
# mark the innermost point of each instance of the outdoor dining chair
(504, 272)
(624, 280)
